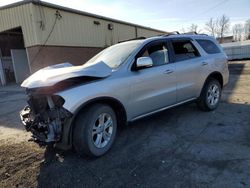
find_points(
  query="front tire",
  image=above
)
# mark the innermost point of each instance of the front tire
(210, 95)
(95, 130)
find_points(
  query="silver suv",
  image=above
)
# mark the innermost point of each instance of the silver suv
(82, 106)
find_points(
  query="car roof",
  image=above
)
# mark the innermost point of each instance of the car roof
(180, 36)
(144, 40)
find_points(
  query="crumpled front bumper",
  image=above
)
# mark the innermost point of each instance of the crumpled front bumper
(46, 127)
(25, 117)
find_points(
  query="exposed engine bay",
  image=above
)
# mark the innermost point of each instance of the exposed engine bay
(44, 117)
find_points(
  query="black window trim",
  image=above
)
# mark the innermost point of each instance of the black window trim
(182, 39)
(151, 43)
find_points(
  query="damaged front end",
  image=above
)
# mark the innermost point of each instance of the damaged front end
(44, 117)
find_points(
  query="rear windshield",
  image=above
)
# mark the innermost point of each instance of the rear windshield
(208, 46)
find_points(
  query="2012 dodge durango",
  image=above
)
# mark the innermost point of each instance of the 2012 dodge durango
(82, 106)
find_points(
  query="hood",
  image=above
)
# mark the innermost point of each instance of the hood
(51, 75)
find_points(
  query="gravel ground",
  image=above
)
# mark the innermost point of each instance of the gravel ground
(180, 147)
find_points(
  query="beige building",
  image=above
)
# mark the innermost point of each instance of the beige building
(35, 34)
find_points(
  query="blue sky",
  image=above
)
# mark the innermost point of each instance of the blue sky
(168, 15)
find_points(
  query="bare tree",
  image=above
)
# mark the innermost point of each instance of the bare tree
(182, 30)
(238, 31)
(211, 27)
(247, 29)
(193, 28)
(223, 25)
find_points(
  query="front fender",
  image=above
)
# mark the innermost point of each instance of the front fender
(77, 96)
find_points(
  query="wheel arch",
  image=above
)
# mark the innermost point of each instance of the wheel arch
(115, 104)
(215, 75)
(218, 76)
(201, 101)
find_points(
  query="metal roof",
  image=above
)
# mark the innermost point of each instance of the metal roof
(239, 43)
(50, 5)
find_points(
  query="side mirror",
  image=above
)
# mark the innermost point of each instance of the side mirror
(144, 62)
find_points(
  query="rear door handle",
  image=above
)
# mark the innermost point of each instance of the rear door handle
(204, 63)
(168, 71)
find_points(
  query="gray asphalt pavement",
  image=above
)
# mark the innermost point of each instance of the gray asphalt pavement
(180, 147)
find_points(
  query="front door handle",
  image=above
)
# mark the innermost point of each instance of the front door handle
(204, 63)
(168, 71)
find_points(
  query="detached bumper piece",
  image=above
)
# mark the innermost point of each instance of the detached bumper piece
(45, 126)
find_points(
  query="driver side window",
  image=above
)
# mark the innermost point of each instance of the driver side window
(158, 53)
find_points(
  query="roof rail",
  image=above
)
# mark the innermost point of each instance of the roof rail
(171, 33)
(190, 33)
(137, 38)
(203, 34)
(194, 33)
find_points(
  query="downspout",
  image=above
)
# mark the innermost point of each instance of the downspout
(136, 32)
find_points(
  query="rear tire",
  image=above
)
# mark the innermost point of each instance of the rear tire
(95, 130)
(210, 95)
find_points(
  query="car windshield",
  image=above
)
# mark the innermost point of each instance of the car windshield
(115, 55)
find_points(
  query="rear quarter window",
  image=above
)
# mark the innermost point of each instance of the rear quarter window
(209, 46)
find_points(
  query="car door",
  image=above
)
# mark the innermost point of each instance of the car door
(153, 88)
(190, 67)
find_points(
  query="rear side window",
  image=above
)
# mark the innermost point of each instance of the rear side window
(208, 46)
(184, 50)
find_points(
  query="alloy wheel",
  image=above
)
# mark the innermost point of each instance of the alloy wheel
(213, 95)
(102, 130)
